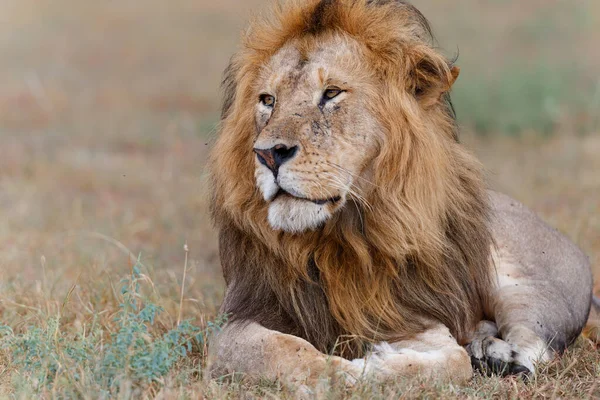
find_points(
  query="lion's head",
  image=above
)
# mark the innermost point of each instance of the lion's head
(316, 131)
(337, 165)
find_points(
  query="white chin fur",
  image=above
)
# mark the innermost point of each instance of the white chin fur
(296, 216)
(266, 182)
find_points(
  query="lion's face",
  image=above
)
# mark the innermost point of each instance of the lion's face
(316, 135)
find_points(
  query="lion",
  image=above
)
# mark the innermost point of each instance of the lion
(357, 235)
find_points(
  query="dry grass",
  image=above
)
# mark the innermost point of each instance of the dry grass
(106, 114)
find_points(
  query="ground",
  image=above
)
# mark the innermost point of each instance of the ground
(107, 112)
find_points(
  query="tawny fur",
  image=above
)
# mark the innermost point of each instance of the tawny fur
(421, 250)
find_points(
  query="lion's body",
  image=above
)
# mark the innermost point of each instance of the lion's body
(544, 283)
(349, 214)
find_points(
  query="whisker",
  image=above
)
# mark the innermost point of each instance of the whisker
(336, 181)
(339, 167)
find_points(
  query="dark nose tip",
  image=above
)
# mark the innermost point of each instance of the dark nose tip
(276, 156)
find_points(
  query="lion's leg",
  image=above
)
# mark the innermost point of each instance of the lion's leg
(433, 354)
(256, 352)
(519, 320)
(543, 291)
(521, 314)
(511, 344)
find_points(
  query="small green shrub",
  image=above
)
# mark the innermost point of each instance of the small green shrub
(80, 363)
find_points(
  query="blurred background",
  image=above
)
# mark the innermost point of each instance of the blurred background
(108, 109)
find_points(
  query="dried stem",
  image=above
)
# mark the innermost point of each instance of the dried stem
(187, 250)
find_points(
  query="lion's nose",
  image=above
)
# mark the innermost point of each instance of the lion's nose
(276, 156)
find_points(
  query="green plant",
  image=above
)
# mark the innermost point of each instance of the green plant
(136, 354)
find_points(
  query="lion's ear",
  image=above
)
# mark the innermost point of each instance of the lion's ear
(432, 78)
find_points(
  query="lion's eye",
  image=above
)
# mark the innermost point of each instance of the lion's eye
(267, 100)
(332, 93)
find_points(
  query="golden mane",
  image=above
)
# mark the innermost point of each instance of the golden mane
(420, 253)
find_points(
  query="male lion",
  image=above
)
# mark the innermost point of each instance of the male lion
(354, 226)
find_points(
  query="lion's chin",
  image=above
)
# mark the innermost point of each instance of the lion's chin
(296, 216)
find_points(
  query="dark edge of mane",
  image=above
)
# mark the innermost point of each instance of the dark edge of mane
(450, 110)
(228, 87)
(420, 18)
(317, 22)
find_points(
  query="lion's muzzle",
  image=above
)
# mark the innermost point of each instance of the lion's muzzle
(276, 156)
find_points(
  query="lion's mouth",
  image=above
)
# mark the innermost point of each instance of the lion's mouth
(283, 193)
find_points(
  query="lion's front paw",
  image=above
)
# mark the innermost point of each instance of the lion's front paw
(387, 362)
(374, 365)
(494, 356)
(390, 362)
